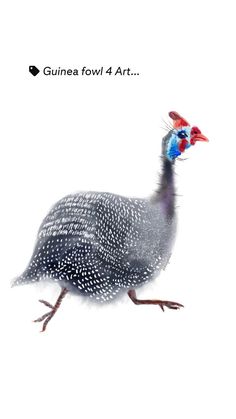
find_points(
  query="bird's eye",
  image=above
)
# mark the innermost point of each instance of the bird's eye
(182, 134)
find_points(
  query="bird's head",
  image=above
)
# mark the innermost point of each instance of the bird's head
(180, 137)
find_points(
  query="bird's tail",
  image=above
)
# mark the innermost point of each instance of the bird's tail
(20, 280)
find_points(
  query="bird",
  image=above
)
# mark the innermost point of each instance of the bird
(100, 244)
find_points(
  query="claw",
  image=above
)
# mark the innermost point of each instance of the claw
(40, 319)
(169, 304)
(48, 316)
(46, 303)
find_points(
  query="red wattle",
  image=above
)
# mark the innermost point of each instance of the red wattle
(182, 145)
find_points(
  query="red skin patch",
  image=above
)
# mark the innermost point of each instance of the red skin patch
(182, 145)
(178, 120)
(193, 133)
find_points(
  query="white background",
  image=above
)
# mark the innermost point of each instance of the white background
(64, 134)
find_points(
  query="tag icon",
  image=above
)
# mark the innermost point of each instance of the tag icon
(33, 70)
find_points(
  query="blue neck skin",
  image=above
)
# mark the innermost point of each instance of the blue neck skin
(172, 150)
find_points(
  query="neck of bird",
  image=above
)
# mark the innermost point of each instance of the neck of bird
(165, 194)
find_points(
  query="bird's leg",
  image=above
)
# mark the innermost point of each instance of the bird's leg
(162, 304)
(47, 317)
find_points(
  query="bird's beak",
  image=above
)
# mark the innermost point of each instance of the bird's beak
(199, 137)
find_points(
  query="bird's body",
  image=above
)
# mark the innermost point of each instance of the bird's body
(97, 244)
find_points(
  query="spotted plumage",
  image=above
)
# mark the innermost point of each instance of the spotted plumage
(98, 244)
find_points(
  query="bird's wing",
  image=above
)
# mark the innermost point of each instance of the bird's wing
(108, 221)
(72, 215)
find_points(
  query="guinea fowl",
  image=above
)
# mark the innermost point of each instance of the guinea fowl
(99, 244)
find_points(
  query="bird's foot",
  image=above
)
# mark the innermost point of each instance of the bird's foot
(169, 304)
(48, 316)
